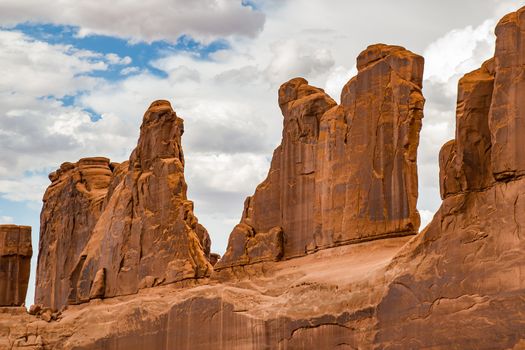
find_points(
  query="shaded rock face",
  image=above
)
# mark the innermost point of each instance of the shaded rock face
(110, 229)
(343, 173)
(15, 262)
(461, 280)
(72, 206)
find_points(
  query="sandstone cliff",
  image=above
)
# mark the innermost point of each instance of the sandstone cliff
(15, 261)
(72, 205)
(456, 285)
(110, 229)
(343, 173)
(461, 280)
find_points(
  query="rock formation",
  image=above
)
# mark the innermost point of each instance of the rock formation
(459, 284)
(111, 229)
(15, 262)
(461, 280)
(343, 173)
(72, 206)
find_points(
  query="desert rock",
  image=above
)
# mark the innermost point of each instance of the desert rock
(147, 228)
(343, 173)
(72, 205)
(15, 261)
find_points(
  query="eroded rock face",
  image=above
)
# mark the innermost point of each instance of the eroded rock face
(147, 234)
(343, 173)
(15, 262)
(109, 229)
(461, 279)
(72, 206)
(458, 284)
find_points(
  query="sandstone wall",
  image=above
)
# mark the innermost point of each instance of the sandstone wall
(15, 263)
(110, 229)
(72, 205)
(461, 280)
(343, 173)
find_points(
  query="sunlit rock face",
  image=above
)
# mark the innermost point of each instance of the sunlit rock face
(72, 205)
(15, 262)
(461, 280)
(111, 229)
(291, 279)
(343, 173)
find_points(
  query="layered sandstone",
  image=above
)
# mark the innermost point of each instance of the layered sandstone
(72, 206)
(343, 173)
(457, 285)
(15, 262)
(461, 280)
(110, 229)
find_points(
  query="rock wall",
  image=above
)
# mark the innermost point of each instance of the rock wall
(72, 206)
(457, 285)
(15, 263)
(461, 280)
(111, 229)
(343, 173)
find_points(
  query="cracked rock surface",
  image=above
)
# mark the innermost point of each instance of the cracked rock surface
(458, 284)
(343, 173)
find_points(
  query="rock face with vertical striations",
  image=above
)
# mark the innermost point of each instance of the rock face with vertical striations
(458, 284)
(147, 234)
(72, 206)
(343, 173)
(15, 262)
(461, 280)
(110, 229)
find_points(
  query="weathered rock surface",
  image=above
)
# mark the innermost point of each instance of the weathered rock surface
(457, 285)
(72, 206)
(15, 262)
(343, 173)
(109, 229)
(461, 280)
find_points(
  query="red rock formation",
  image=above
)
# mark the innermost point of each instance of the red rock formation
(458, 284)
(72, 205)
(109, 229)
(508, 105)
(461, 280)
(147, 234)
(15, 262)
(344, 173)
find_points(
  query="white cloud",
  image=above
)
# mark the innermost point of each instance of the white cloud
(113, 58)
(141, 20)
(30, 188)
(291, 58)
(447, 59)
(459, 51)
(129, 70)
(426, 217)
(6, 220)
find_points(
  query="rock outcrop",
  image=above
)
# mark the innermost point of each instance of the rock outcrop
(72, 206)
(459, 284)
(110, 229)
(461, 280)
(343, 173)
(15, 262)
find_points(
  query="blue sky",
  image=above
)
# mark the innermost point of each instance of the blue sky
(75, 83)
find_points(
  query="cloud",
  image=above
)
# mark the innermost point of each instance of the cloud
(291, 58)
(426, 217)
(6, 220)
(447, 59)
(141, 20)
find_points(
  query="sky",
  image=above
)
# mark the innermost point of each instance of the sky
(77, 76)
